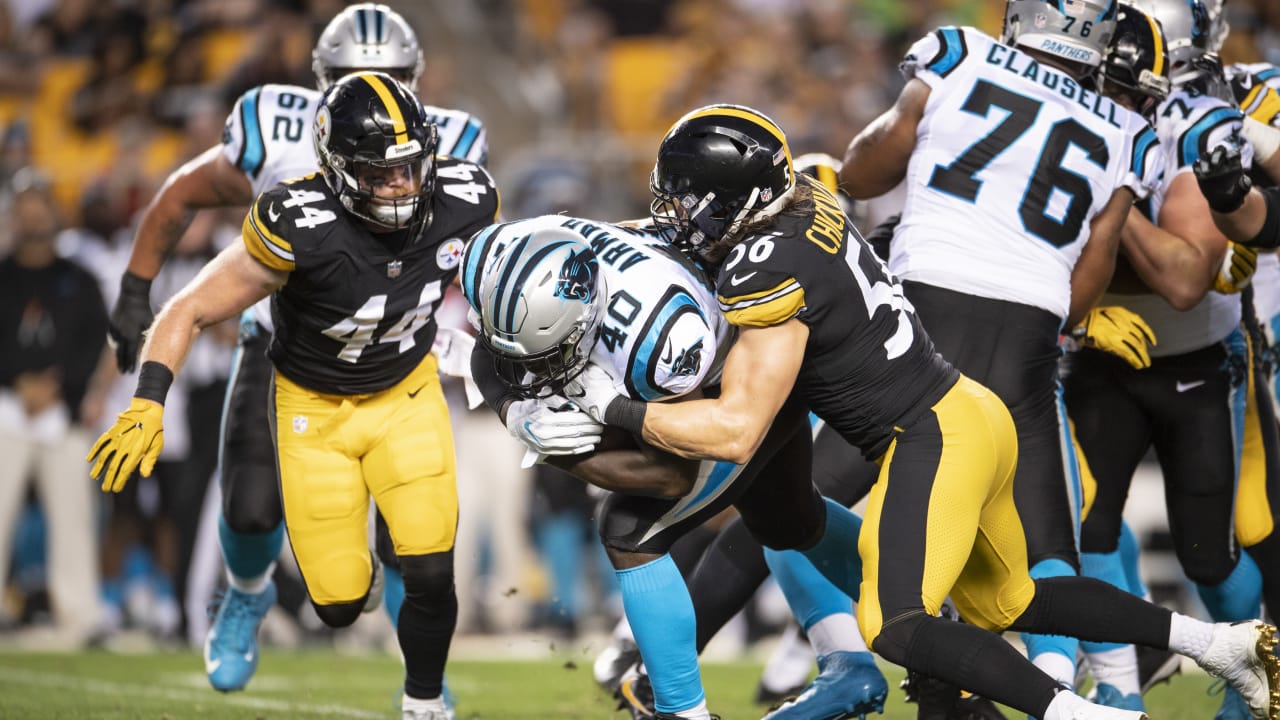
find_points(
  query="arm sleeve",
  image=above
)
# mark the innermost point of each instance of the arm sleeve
(754, 297)
(263, 240)
(242, 142)
(1268, 238)
(934, 56)
(495, 392)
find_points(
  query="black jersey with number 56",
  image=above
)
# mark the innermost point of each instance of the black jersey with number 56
(357, 313)
(868, 365)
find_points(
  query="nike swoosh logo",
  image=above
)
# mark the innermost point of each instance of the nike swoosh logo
(271, 213)
(739, 279)
(414, 394)
(1183, 387)
(667, 357)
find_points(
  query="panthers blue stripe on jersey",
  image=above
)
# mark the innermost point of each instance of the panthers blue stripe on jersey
(640, 380)
(709, 486)
(468, 138)
(1145, 143)
(951, 51)
(254, 151)
(1195, 141)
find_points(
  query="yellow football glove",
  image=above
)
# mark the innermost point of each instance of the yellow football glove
(1238, 266)
(1119, 331)
(134, 442)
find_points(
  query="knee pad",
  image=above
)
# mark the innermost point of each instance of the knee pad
(896, 636)
(1206, 566)
(339, 615)
(251, 501)
(427, 577)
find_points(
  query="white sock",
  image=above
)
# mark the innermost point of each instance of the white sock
(622, 631)
(697, 712)
(435, 704)
(1117, 668)
(1063, 705)
(252, 585)
(1057, 666)
(838, 632)
(1190, 637)
(790, 663)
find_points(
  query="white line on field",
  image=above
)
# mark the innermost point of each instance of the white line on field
(109, 687)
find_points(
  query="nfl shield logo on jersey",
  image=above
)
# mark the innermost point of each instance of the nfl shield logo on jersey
(299, 424)
(393, 269)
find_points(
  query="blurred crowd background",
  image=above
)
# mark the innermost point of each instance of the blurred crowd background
(101, 99)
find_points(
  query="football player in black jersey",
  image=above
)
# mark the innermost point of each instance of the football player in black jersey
(821, 318)
(356, 259)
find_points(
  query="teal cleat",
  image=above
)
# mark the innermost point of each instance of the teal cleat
(231, 647)
(1110, 696)
(848, 685)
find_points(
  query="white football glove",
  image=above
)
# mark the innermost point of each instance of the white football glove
(551, 426)
(592, 391)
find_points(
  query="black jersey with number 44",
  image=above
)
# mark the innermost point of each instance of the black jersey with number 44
(868, 365)
(357, 313)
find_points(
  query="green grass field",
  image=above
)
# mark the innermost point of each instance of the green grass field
(172, 686)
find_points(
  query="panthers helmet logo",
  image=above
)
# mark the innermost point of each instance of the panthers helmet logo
(577, 279)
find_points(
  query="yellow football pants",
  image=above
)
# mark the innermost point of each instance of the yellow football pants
(337, 450)
(941, 519)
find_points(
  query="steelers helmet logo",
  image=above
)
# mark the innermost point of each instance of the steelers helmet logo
(323, 123)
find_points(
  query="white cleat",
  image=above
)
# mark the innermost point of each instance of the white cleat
(1067, 705)
(1243, 654)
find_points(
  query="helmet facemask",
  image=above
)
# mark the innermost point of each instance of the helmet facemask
(696, 224)
(390, 194)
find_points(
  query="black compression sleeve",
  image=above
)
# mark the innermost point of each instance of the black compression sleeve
(1268, 238)
(495, 391)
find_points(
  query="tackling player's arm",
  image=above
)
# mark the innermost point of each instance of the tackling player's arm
(1092, 272)
(1180, 257)
(759, 374)
(876, 160)
(632, 468)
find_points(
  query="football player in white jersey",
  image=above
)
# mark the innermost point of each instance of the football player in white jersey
(555, 293)
(1189, 405)
(1010, 228)
(266, 139)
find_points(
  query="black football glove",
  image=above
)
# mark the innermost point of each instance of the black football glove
(131, 317)
(1222, 178)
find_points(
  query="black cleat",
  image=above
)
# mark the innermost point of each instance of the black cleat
(635, 695)
(1156, 666)
(940, 700)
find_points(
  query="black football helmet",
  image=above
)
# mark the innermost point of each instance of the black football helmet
(719, 167)
(376, 148)
(1137, 61)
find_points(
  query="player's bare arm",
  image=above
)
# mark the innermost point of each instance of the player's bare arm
(1092, 272)
(758, 376)
(637, 469)
(231, 282)
(1179, 266)
(207, 180)
(876, 160)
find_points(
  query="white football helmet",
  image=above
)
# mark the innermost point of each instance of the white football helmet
(367, 36)
(1075, 30)
(541, 304)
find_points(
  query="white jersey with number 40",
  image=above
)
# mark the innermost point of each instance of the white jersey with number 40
(268, 137)
(662, 333)
(1013, 159)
